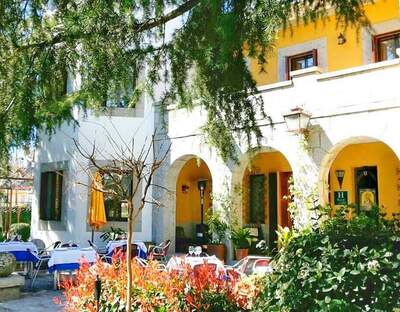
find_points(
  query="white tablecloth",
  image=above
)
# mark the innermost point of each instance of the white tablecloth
(70, 258)
(111, 245)
(177, 263)
(18, 246)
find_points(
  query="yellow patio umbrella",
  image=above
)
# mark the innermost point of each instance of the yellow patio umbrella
(97, 212)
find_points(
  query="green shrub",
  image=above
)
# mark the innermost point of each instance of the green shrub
(344, 265)
(23, 229)
(24, 216)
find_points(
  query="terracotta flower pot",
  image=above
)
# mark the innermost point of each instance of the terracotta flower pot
(241, 253)
(217, 250)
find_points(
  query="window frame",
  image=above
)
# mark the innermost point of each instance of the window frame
(120, 219)
(290, 58)
(377, 39)
(53, 213)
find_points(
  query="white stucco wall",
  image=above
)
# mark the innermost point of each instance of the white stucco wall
(61, 147)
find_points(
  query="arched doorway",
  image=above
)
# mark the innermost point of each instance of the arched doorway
(265, 195)
(364, 172)
(193, 199)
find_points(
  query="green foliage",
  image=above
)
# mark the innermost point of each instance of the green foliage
(23, 229)
(3, 235)
(345, 265)
(24, 217)
(217, 227)
(109, 43)
(241, 238)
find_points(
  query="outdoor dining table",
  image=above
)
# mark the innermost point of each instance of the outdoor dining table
(23, 251)
(69, 259)
(111, 245)
(177, 263)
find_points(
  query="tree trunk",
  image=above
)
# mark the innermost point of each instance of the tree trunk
(129, 258)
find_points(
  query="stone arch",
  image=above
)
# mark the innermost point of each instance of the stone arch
(371, 150)
(271, 171)
(173, 174)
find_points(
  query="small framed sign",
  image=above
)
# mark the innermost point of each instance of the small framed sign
(341, 198)
(367, 198)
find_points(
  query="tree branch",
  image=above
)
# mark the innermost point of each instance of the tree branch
(154, 22)
(138, 28)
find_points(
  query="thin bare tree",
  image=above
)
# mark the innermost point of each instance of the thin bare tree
(115, 167)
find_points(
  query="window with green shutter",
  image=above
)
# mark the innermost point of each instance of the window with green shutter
(51, 195)
(256, 202)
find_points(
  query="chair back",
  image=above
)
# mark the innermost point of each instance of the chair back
(39, 244)
(91, 244)
(134, 249)
(261, 263)
(165, 246)
(261, 266)
(69, 245)
(56, 244)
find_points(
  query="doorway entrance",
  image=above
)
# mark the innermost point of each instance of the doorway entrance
(266, 195)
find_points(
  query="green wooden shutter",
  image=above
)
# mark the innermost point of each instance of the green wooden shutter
(50, 195)
(273, 209)
(58, 181)
(43, 196)
(256, 202)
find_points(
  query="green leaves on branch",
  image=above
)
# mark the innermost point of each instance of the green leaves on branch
(120, 49)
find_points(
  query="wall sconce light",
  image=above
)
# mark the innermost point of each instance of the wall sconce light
(297, 120)
(340, 177)
(341, 39)
(201, 185)
(185, 188)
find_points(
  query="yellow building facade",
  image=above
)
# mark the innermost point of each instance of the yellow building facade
(339, 56)
(317, 66)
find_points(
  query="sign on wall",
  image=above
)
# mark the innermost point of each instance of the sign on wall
(367, 198)
(341, 198)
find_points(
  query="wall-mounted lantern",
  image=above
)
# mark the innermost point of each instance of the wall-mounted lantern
(340, 177)
(201, 185)
(341, 39)
(201, 228)
(297, 120)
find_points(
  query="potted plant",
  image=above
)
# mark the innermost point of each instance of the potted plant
(241, 241)
(217, 228)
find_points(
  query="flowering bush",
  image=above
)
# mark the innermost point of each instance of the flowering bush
(248, 290)
(350, 263)
(153, 289)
